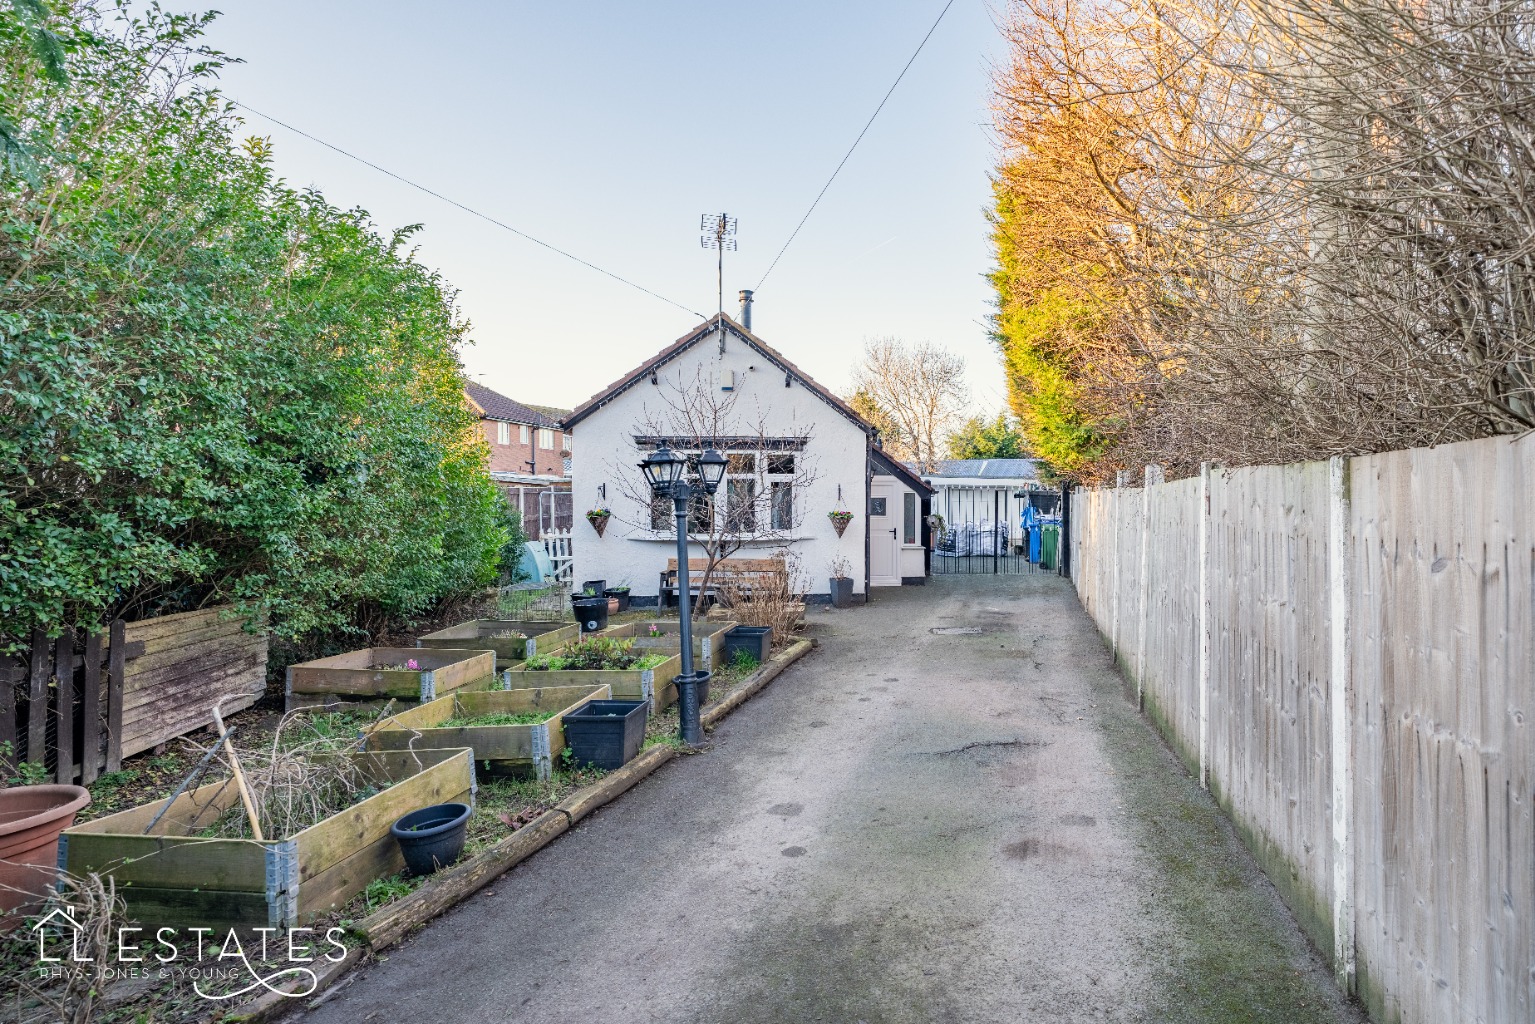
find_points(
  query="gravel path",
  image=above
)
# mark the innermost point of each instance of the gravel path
(949, 812)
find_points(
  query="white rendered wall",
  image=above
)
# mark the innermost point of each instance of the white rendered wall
(629, 552)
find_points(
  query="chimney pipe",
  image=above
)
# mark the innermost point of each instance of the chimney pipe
(746, 308)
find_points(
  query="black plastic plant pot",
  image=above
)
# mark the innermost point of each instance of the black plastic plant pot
(591, 613)
(841, 592)
(606, 733)
(754, 640)
(597, 587)
(432, 837)
(622, 594)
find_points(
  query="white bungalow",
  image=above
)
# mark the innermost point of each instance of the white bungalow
(796, 453)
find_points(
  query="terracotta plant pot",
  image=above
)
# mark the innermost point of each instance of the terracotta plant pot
(31, 818)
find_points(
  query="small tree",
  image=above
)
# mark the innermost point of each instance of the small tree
(892, 439)
(919, 387)
(760, 503)
(980, 439)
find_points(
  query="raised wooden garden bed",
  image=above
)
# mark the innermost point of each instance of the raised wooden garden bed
(480, 634)
(708, 638)
(357, 676)
(498, 747)
(173, 876)
(653, 684)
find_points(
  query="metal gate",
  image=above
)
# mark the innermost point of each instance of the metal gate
(980, 530)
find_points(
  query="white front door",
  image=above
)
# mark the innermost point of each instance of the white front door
(884, 535)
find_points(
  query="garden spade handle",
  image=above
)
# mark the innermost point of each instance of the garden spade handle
(234, 766)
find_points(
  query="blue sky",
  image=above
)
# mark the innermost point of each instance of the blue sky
(607, 128)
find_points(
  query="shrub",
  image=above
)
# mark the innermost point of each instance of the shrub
(212, 385)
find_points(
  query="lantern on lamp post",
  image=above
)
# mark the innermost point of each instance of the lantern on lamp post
(675, 476)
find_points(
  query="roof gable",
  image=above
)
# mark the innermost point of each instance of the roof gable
(881, 462)
(492, 405)
(693, 337)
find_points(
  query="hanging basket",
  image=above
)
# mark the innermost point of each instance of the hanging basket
(599, 523)
(839, 521)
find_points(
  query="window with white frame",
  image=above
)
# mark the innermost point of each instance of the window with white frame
(783, 504)
(740, 504)
(546, 440)
(503, 433)
(909, 518)
(522, 433)
(757, 495)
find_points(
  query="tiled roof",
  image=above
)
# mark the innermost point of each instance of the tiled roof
(703, 330)
(496, 406)
(883, 463)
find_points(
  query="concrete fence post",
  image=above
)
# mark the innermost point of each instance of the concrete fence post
(1204, 625)
(1340, 702)
(1153, 476)
(1120, 479)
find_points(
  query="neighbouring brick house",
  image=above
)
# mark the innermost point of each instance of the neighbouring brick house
(529, 457)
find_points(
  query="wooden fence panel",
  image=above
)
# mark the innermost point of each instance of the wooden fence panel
(1127, 577)
(162, 679)
(190, 661)
(50, 702)
(1444, 676)
(1170, 674)
(1433, 888)
(1270, 730)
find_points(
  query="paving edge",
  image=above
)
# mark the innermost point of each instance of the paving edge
(766, 674)
(394, 922)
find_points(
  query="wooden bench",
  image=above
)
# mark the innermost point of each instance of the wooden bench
(740, 575)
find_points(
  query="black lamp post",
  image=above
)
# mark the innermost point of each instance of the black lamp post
(667, 474)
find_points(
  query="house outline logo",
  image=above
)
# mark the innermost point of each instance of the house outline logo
(57, 912)
(41, 930)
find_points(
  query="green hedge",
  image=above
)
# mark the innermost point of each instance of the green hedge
(212, 385)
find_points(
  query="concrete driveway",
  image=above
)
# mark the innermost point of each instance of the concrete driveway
(949, 812)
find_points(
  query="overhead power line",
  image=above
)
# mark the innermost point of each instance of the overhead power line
(467, 209)
(856, 141)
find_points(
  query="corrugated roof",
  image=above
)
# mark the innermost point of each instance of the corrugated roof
(496, 406)
(986, 469)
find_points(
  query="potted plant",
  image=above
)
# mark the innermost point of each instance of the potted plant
(841, 583)
(839, 520)
(599, 517)
(620, 593)
(756, 642)
(31, 818)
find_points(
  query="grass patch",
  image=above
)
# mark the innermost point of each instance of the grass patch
(498, 718)
(595, 654)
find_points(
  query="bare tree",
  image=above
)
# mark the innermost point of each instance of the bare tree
(920, 388)
(761, 503)
(1298, 228)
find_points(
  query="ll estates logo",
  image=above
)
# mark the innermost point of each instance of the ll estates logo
(220, 966)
